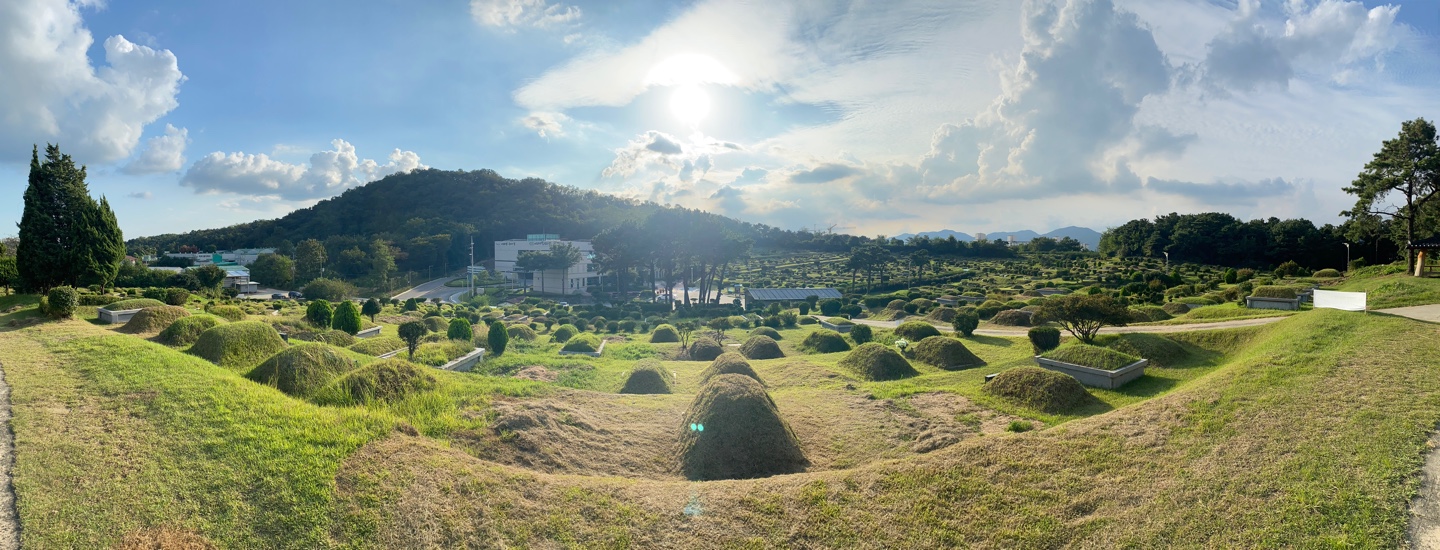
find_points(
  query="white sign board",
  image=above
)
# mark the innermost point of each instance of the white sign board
(474, 269)
(1333, 299)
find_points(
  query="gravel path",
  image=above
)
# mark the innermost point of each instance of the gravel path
(1020, 331)
(9, 519)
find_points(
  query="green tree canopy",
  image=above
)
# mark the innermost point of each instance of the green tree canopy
(1402, 182)
(1084, 315)
(273, 270)
(66, 237)
(347, 317)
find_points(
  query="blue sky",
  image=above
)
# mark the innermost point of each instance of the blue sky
(883, 117)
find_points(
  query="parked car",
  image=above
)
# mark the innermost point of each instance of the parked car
(277, 296)
(295, 295)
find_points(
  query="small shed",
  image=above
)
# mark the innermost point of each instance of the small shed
(789, 294)
(1426, 250)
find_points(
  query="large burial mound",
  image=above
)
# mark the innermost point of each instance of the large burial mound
(945, 353)
(303, 368)
(824, 341)
(761, 347)
(239, 345)
(876, 361)
(733, 431)
(704, 349)
(729, 363)
(187, 330)
(154, 319)
(1039, 389)
(648, 376)
(383, 380)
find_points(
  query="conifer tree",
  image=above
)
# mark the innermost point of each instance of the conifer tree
(56, 221)
(103, 244)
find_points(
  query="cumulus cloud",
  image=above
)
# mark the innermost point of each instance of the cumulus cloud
(547, 124)
(824, 173)
(521, 13)
(140, 195)
(328, 173)
(50, 92)
(1335, 38)
(165, 153)
(653, 148)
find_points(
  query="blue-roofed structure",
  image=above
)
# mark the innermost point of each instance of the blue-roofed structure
(788, 294)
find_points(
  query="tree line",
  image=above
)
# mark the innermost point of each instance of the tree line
(673, 245)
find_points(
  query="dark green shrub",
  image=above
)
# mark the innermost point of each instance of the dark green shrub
(329, 290)
(830, 306)
(61, 301)
(1043, 339)
(347, 318)
(861, 334)
(411, 332)
(875, 361)
(498, 338)
(176, 296)
(319, 313)
(966, 322)
(460, 329)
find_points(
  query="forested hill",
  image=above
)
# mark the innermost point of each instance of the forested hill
(428, 217)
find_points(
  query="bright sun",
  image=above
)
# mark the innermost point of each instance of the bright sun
(690, 104)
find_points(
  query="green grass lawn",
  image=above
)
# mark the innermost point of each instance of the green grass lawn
(1303, 433)
(1394, 290)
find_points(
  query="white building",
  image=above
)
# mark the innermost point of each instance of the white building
(243, 256)
(576, 280)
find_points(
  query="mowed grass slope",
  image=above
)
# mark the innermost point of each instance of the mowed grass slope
(1303, 433)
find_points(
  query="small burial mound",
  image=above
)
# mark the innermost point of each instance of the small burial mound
(133, 303)
(916, 331)
(664, 334)
(303, 368)
(648, 376)
(521, 332)
(583, 343)
(1087, 355)
(704, 349)
(761, 347)
(238, 346)
(564, 333)
(154, 319)
(186, 330)
(1043, 390)
(824, 341)
(945, 353)
(228, 313)
(876, 361)
(384, 380)
(729, 363)
(766, 331)
(378, 345)
(331, 336)
(734, 431)
(1161, 351)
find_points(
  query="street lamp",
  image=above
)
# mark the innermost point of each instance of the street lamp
(1347, 257)
(1167, 260)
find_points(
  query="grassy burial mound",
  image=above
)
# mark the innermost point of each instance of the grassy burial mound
(1043, 390)
(333, 337)
(648, 376)
(564, 333)
(585, 343)
(386, 380)
(734, 431)
(766, 332)
(238, 346)
(154, 319)
(520, 332)
(824, 341)
(729, 363)
(1161, 351)
(1087, 355)
(228, 313)
(704, 349)
(761, 347)
(945, 353)
(378, 345)
(664, 334)
(133, 303)
(916, 331)
(186, 330)
(1274, 291)
(876, 361)
(301, 369)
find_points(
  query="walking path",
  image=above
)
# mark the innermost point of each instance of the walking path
(1020, 331)
(9, 518)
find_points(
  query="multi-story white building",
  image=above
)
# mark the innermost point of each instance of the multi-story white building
(243, 256)
(575, 280)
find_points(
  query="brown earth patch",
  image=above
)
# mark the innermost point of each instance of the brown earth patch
(537, 373)
(163, 538)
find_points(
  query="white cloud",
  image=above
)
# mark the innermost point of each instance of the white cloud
(1337, 39)
(328, 174)
(521, 13)
(50, 92)
(165, 153)
(547, 124)
(143, 195)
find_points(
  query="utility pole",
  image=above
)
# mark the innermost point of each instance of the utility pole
(471, 271)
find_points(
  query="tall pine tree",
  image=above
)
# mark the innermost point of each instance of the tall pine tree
(65, 236)
(103, 245)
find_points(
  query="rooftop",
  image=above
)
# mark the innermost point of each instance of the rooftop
(773, 294)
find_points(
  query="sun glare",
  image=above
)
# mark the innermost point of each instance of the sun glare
(690, 104)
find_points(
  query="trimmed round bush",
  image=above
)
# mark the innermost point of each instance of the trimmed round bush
(436, 324)
(1043, 390)
(766, 332)
(1012, 318)
(459, 329)
(319, 314)
(384, 380)
(1176, 309)
(876, 361)
(945, 353)
(965, 322)
(564, 333)
(1043, 339)
(61, 301)
(1326, 273)
(228, 313)
(648, 376)
(154, 319)
(378, 345)
(239, 345)
(347, 318)
(734, 431)
(186, 330)
(587, 343)
(303, 368)
(522, 332)
(133, 303)
(176, 296)
(664, 334)
(916, 331)
(729, 363)
(761, 347)
(824, 341)
(862, 334)
(705, 349)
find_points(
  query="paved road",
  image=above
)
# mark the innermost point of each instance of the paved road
(1020, 331)
(433, 289)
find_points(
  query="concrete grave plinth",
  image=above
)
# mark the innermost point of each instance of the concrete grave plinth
(115, 317)
(1258, 302)
(1099, 378)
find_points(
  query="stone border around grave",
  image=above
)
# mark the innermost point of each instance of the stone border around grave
(115, 317)
(1099, 378)
(369, 332)
(842, 329)
(595, 353)
(1286, 304)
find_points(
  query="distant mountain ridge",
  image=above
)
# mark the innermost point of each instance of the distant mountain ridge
(1088, 237)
